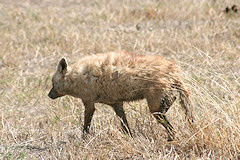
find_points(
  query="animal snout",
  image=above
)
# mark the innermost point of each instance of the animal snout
(53, 94)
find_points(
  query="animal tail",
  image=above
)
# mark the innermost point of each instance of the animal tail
(185, 102)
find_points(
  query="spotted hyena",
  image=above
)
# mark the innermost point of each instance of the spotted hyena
(117, 77)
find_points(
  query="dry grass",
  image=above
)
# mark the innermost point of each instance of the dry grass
(197, 34)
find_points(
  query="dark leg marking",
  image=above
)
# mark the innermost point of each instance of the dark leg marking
(161, 117)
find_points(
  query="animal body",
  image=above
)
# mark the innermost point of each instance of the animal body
(117, 77)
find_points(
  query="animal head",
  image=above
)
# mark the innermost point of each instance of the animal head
(59, 80)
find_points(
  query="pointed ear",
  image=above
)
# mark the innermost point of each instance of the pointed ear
(62, 66)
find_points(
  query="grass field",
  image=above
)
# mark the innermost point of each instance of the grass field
(197, 34)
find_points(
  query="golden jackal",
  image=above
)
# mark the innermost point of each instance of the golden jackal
(117, 77)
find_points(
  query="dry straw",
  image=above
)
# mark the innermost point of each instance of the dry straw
(198, 35)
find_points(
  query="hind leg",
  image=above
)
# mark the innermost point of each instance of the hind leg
(159, 109)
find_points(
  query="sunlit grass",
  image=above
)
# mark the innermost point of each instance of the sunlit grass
(198, 35)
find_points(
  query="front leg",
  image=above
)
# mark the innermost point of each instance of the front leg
(88, 114)
(118, 108)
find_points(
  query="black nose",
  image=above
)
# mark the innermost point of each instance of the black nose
(53, 94)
